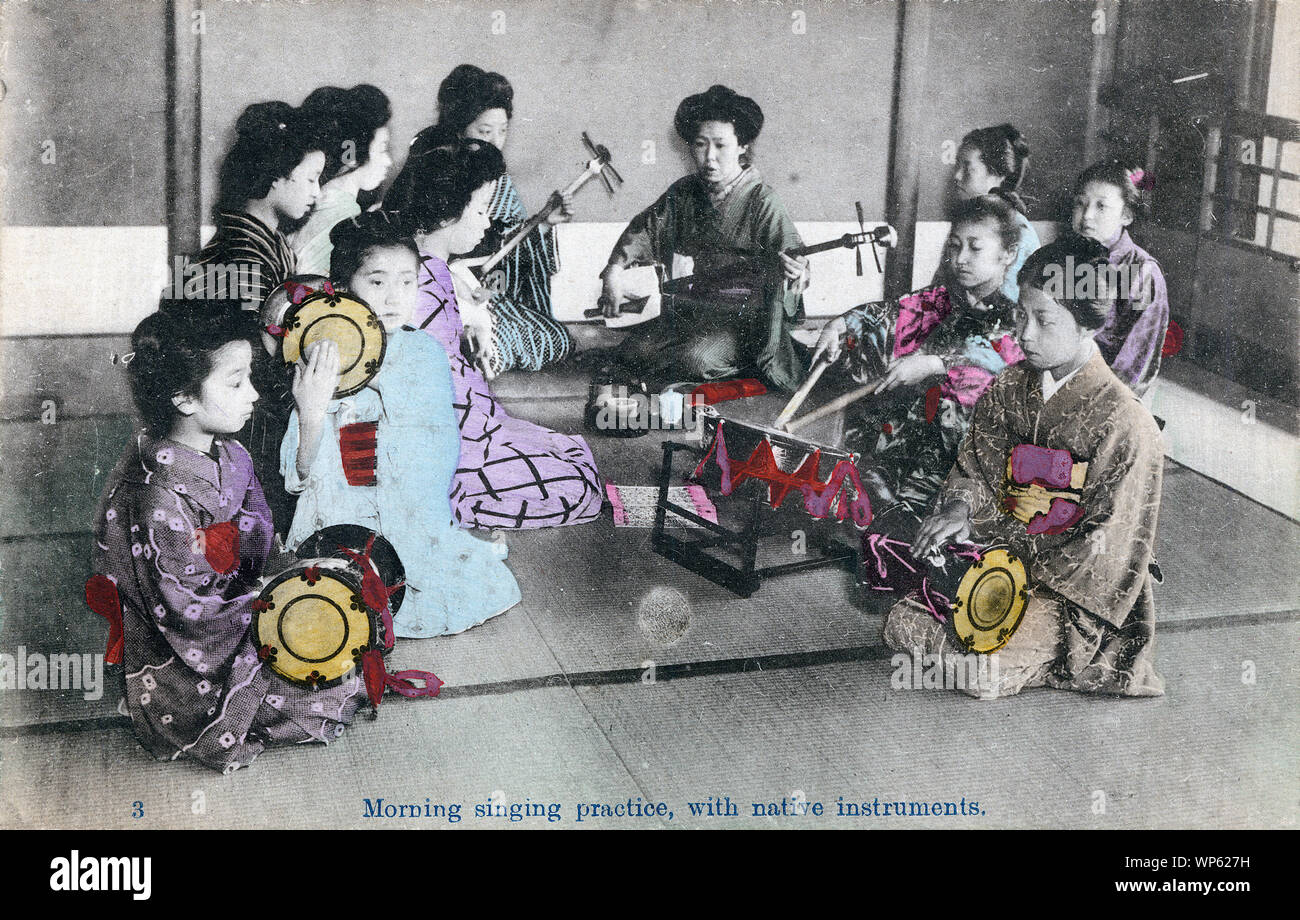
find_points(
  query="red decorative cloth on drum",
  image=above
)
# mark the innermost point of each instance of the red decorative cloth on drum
(842, 492)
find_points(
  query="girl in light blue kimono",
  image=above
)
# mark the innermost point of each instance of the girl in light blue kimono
(454, 580)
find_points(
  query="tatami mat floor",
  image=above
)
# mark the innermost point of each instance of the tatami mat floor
(569, 699)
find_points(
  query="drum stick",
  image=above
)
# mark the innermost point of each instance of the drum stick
(801, 394)
(833, 406)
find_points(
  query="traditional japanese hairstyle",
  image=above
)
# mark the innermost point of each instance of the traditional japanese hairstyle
(354, 239)
(1127, 179)
(435, 184)
(718, 103)
(468, 92)
(1004, 153)
(172, 353)
(271, 139)
(995, 208)
(1054, 270)
(339, 116)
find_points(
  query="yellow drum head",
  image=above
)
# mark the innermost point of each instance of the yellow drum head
(311, 625)
(352, 325)
(990, 601)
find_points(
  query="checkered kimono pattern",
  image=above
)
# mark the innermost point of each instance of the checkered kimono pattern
(513, 473)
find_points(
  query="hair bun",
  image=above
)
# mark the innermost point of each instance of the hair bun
(719, 103)
(1016, 140)
(266, 117)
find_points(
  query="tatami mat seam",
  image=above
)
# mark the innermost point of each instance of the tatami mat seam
(681, 671)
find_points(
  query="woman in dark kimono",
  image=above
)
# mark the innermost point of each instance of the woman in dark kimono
(270, 176)
(181, 538)
(523, 335)
(719, 217)
(1083, 523)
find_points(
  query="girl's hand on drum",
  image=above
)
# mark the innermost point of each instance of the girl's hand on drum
(316, 378)
(911, 370)
(563, 213)
(831, 343)
(950, 524)
(798, 272)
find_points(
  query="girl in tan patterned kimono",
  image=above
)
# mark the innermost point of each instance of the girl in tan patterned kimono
(1090, 618)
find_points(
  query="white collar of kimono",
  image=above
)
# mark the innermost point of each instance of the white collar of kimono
(719, 195)
(1050, 385)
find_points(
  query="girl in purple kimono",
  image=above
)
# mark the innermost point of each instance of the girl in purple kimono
(512, 473)
(181, 538)
(935, 352)
(1106, 202)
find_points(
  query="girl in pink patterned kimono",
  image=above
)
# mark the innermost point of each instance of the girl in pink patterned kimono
(181, 539)
(934, 352)
(512, 473)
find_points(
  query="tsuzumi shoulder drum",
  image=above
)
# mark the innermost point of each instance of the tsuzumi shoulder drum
(313, 621)
(350, 323)
(982, 590)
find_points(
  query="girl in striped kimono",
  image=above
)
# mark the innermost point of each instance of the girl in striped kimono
(523, 333)
(270, 177)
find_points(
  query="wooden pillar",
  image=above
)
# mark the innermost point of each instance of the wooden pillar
(1105, 27)
(907, 124)
(184, 29)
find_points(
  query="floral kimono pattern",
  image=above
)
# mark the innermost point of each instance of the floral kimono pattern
(909, 437)
(184, 537)
(1089, 624)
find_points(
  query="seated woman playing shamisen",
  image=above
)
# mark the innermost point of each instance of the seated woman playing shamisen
(1079, 506)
